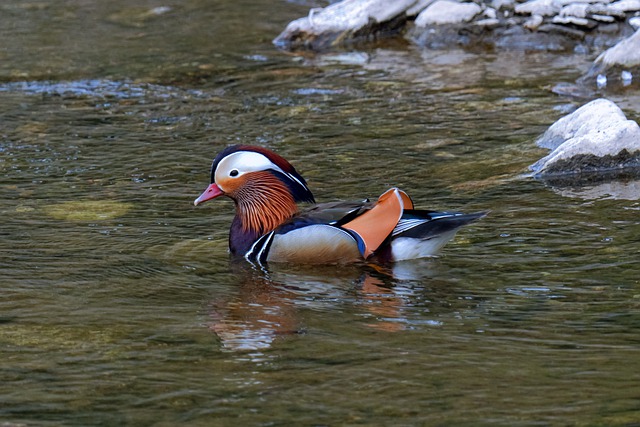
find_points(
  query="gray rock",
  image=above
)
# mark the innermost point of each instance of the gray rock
(580, 22)
(603, 18)
(597, 137)
(564, 30)
(567, 2)
(490, 13)
(600, 9)
(487, 23)
(447, 12)
(579, 10)
(345, 20)
(502, 4)
(539, 7)
(616, 66)
(553, 25)
(625, 54)
(626, 5)
(418, 7)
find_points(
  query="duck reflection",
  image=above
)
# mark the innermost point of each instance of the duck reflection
(267, 303)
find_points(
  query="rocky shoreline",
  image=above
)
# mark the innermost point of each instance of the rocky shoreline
(556, 25)
(572, 26)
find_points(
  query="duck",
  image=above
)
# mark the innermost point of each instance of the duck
(277, 219)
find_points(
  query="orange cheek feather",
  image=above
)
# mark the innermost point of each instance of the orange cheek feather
(231, 185)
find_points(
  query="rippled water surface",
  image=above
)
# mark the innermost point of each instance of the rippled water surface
(119, 305)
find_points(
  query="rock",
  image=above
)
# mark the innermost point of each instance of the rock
(534, 22)
(539, 7)
(488, 23)
(502, 4)
(626, 5)
(418, 7)
(346, 20)
(565, 31)
(597, 137)
(579, 10)
(547, 39)
(609, 29)
(603, 18)
(447, 12)
(566, 2)
(580, 22)
(490, 13)
(600, 9)
(626, 53)
(617, 66)
(553, 25)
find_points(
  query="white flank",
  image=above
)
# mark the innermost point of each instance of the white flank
(403, 248)
(314, 244)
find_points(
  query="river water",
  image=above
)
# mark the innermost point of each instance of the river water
(119, 304)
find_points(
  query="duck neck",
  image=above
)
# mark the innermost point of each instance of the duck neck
(259, 214)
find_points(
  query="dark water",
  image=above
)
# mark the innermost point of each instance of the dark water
(119, 306)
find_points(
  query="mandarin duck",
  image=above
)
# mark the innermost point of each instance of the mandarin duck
(270, 227)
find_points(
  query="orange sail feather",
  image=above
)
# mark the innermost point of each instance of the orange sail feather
(374, 226)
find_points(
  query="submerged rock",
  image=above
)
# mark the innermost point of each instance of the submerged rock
(88, 210)
(597, 137)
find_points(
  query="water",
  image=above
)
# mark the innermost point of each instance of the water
(119, 305)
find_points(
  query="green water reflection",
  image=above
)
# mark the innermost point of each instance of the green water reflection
(119, 305)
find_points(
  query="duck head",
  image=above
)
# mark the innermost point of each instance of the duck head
(264, 187)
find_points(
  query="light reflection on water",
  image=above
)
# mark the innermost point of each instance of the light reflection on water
(119, 304)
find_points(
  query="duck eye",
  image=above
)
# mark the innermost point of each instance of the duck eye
(234, 172)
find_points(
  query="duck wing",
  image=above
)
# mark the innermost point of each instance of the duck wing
(422, 233)
(424, 224)
(334, 213)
